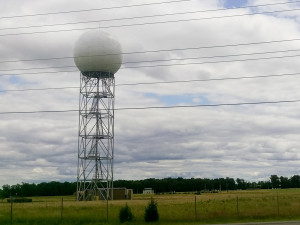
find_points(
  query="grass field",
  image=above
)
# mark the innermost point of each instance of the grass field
(222, 207)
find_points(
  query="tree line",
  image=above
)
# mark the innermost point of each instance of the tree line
(179, 184)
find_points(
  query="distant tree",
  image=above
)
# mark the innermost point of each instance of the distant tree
(179, 184)
(284, 182)
(295, 181)
(28, 189)
(264, 184)
(241, 184)
(275, 181)
(230, 184)
(6, 191)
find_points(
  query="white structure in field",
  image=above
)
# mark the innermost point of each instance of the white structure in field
(98, 56)
(148, 191)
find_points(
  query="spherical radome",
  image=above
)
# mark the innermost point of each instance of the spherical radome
(97, 51)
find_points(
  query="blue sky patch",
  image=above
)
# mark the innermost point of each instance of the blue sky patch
(234, 3)
(15, 80)
(170, 100)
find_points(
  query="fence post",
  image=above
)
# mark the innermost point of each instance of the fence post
(11, 210)
(106, 208)
(277, 205)
(62, 209)
(195, 207)
(237, 206)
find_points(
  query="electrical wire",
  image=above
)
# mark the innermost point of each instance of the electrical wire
(39, 89)
(141, 24)
(211, 57)
(159, 50)
(211, 79)
(164, 82)
(161, 107)
(208, 62)
(141, 17)
(37, 68)
(118, 7)
(42, 111)
(89, 10)
(161, 60)
(39, 73)
(162, 65)
(210, 105)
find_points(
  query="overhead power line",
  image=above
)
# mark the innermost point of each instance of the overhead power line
(118, 7)
(161, 50)
(41, 111)
(211, 57)
(210, 105)
(37, 68)
(162, 65)
(143, 24)
(164, 82)
(161, 60)
(89, 10)
(161, 107)
(209, 62)
(39, 73)
(143, 17)
(39, 89)
(210, 79)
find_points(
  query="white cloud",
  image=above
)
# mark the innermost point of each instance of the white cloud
(250, 141)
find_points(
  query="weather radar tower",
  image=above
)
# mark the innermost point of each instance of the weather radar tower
(98, 57)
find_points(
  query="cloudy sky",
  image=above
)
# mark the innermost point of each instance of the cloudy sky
(228, 53)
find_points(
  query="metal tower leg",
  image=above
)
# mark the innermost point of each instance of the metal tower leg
(96, 137)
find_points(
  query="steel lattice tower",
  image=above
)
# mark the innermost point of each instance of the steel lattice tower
(98, 56)
(96, 136)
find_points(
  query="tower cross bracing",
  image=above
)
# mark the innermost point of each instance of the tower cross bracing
(96, 136)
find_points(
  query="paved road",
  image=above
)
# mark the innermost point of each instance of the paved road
(267, 223)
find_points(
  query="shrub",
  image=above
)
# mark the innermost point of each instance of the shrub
(151, 212)
(125, 214)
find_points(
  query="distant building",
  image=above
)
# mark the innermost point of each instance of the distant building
(115, 193)
(148, 191)
(119, 194)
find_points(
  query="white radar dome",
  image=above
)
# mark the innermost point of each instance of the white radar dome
(97, 54)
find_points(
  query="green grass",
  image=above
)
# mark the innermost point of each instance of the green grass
(223, 207)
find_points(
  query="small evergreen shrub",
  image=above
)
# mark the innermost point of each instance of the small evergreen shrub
(125, 214)
(151, 212)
